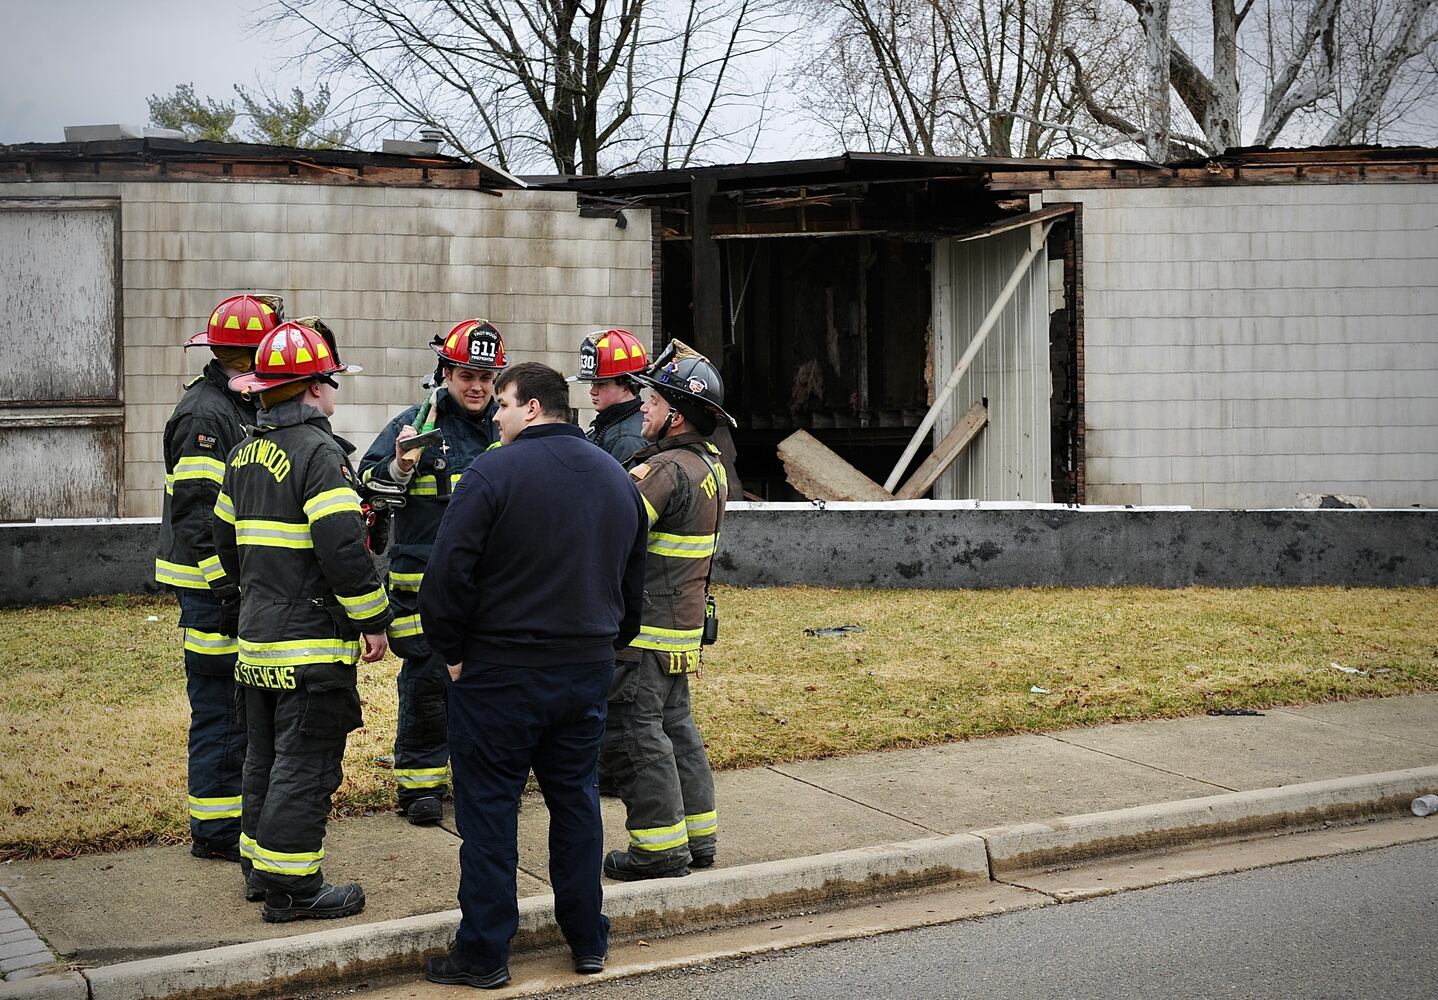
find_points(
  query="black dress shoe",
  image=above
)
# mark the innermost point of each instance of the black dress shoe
(444, 969)
(620, 865)
(589, 965)
(422, 812)
(325, 903)
(211, 851)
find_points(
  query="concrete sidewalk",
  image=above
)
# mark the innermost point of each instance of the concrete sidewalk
(107, 909)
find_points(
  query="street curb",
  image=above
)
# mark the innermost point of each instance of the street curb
(62, 986)
(710, 898)
(729, 895)
(1290, 809)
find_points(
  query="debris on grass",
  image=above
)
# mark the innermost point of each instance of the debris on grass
(1348, 670)
(1038, 690)
(835, 630)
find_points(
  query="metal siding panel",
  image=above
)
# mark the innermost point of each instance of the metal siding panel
(58, 295)
(66, 472)
(1010, 459)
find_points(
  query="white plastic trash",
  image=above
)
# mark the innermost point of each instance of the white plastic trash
(1425, 805)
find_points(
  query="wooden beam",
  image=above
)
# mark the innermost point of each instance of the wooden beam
(943, 456)
(819, 474)
(708, 315)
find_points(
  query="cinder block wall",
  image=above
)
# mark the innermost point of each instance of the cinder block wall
(1245, 344)
(387, 267)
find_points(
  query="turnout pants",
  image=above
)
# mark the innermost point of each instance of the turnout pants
(217, 731)
(503, 721)
(655, 756)
(421, 743)
(297, 745)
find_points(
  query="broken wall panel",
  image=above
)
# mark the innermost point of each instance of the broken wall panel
(1011, 458)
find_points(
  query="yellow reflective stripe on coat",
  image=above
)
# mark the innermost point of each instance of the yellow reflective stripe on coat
(659, 838)
(676, 640)
(297, 652)
(405, 581)
(662, 543)
(649, 509)
(337, 501)
(210, 643)
(282, 863)
(405, 626)
(420, 777)
(199, 467)
(225, 807)
(702, 824)
(428, 486)
(365, 605)
(247, 846)
(180, 575)
(276, 534)
(210, 566)
(225, 507)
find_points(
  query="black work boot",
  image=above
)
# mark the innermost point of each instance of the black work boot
(620, 865)
(254, 888)
(325, 903)
(211, 851)
(448, 970)
(423, 812)
(702, 859)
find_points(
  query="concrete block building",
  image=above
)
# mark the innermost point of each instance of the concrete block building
(111, 254)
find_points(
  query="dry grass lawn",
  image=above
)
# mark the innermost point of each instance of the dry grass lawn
(93, 712)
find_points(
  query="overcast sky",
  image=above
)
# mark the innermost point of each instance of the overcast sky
(91, 62)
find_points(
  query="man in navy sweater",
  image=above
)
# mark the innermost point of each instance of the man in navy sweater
(547, 535)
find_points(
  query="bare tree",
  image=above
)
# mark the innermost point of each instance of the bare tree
(1299, 53)
(568, 85)
(983, 77)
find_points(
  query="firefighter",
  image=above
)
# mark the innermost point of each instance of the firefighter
(653, 751)
(207, 423)
(288, 528)
(608, 360)
(470, 356)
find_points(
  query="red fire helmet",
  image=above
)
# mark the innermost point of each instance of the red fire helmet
(607, 354)
(293, 352)
(240, 321)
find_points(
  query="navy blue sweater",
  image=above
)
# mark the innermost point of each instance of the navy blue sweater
(539, 560)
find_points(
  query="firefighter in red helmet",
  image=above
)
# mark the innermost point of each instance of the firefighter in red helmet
(288, 528)
(608, 362)
(209, 421)
(461, 409)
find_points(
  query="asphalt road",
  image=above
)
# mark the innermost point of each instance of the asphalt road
(1360, 925)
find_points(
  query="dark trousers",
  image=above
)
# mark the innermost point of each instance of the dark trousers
(421, 742)
(654, 754)
(297, 745)
(217, 733)
(503, 721)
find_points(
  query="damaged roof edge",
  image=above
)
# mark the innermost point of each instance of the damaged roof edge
(175, 151)
(854, 167)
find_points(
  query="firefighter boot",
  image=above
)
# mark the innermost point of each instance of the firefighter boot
(702, 859)
(621, 866)
(325, 903)
(209, 850)
(422, 812)
(254, 889)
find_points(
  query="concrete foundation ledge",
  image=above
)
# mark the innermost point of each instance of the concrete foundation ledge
(64, 986)
(704, 899)
(1076, 839)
